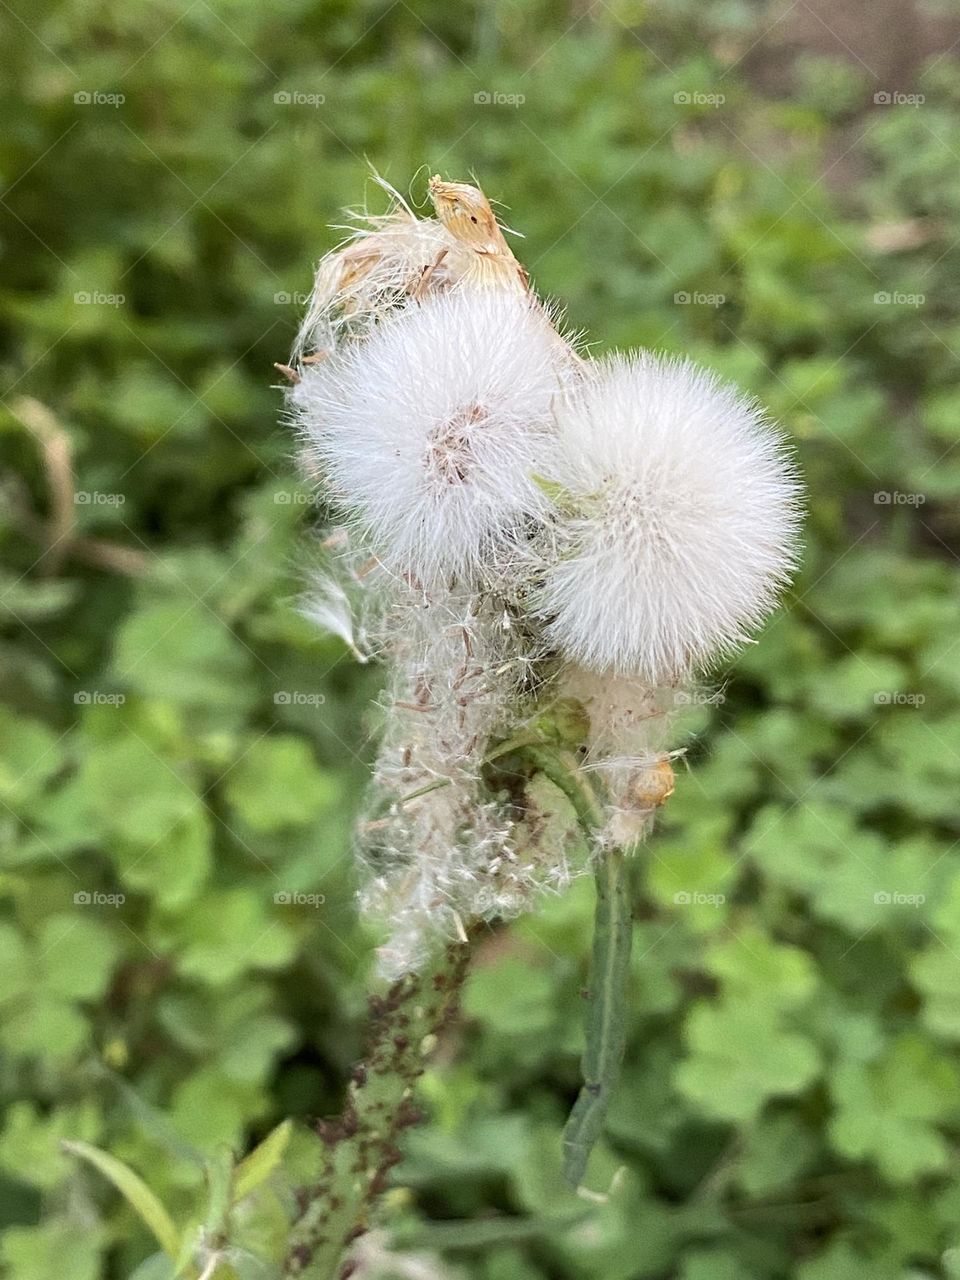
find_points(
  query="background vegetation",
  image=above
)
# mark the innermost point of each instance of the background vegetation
(180, 753)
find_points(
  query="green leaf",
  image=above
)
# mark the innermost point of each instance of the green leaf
(135, 791)
(173, 869)
(54, 1248)
(513, 997)
(751, 966)
(77, 955)
(135, 1191)
(157, 1267)
(178, 651)
(48, 1028)
(30, 1143)
(888, 1111)
(30, 754)
(255, 1168)
(218, 1172)
(277, 783)
(222, 934)
(776, 1151)
(936, 973)
(739, 1057)
(16, 969)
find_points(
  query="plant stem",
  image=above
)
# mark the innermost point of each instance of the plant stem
(607, 1010)
(361, 1145)
(607, 1002)
(562, 769)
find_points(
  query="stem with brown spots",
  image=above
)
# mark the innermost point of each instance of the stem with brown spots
(361, 1145)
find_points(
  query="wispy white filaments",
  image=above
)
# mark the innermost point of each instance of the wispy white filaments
(432, 431)
(526, 529)
(439, 853)
(679, 519)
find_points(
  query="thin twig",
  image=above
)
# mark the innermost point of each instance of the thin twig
(55, 443)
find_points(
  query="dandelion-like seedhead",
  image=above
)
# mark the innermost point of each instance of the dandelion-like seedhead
(533, 544)
(430, 432)
(679, 511)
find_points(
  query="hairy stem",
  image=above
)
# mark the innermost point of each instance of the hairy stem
(360, 1146)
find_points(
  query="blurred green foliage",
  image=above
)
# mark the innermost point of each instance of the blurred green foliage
(180, 753)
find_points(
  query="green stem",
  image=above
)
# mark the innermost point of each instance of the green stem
(608, 997)
(562, 769)
(360, 1147)
(607, 1013)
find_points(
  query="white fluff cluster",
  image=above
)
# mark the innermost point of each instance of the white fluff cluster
(527, 531)
(678, 519)
(438, 853)
(431, 432)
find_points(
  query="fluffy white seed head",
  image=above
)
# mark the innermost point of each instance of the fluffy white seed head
(680, 515)
(431, 430)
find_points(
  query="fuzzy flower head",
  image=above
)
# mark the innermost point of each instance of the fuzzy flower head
(432, 430)
(679, 516)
